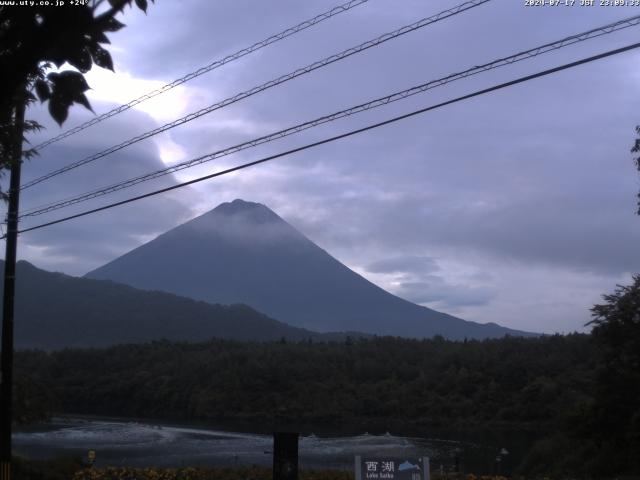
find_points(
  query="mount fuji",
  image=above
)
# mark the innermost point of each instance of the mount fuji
(243, 252)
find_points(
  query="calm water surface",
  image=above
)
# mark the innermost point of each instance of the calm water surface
(120, 443)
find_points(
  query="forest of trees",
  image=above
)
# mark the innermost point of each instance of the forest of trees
(405, 386)
(511, 382)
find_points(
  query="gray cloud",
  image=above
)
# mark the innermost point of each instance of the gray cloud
(518, 190)
(78, 245)
(434, 289)
(404, 264)
(420, 283)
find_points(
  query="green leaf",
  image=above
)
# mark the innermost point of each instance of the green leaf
(102, 57)
(59, 110)
(32, 125)
(113, 25)
(56, 55)
(100, 37)
(142, 5)
(84, 101)
(53, 77)
(81, 59)
(67, 87)
(68, 82)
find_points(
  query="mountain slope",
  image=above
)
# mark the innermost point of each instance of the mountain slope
(55, 311)
(242, 252)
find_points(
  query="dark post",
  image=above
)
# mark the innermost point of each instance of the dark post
(285, 456)
(7, 300)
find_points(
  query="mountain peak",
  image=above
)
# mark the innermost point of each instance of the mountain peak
(237, 206)
(242, 211)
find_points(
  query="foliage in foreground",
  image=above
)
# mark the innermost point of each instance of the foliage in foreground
(249, 473)
(72, 470)
(613, 423)
(35, 38)
(55, 469)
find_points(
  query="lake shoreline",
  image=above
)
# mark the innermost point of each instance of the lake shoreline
(139, 442)
(266, 426)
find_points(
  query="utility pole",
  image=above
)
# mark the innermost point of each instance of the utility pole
(6, 380)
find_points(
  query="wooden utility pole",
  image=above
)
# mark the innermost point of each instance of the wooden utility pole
(6, 380)
(285, 456)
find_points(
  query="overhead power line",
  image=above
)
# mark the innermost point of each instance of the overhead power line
(207, 68)
(341, 136)
(606, 29)
(272, 83)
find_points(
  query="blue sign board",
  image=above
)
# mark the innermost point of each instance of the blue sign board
(398, 468)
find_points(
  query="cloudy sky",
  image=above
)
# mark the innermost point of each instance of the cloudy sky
(515, 207)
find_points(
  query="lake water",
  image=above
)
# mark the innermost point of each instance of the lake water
(120, 443)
